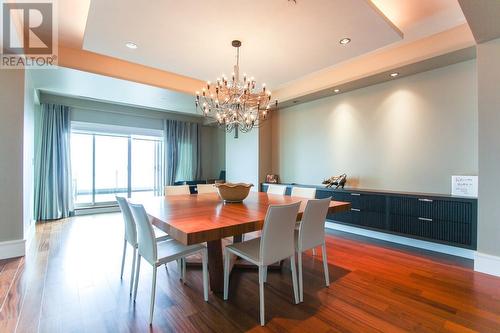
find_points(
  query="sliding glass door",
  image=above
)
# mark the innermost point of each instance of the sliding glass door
(105, 165)
(146, 171)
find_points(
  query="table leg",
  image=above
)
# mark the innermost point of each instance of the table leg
(215, 266)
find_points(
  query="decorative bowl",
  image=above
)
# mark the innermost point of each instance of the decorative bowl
(233, 192)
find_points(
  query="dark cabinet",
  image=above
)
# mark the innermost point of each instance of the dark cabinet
(436, 218)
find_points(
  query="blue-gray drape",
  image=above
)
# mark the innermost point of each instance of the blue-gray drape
(182, 142)
(53, 197)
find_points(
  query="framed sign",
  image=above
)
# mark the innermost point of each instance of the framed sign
(464, 186)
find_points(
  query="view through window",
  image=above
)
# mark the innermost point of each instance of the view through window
(105, 165)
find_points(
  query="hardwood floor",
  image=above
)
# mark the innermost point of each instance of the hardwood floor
(70, 282)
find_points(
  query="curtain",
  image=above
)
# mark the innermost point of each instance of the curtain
(182, 141)
(53, 197)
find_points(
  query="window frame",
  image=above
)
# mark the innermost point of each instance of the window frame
(142, 134)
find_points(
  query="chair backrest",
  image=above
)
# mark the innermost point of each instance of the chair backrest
(276, 189)
(278, 234)
(312, 227)
(304, 192)
(176, 190)
(145, 235)
(206, 188)
(128, 219)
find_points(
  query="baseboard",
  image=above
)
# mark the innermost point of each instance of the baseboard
(486, 263)
(97, 210)
(12, 249)
(451, 250)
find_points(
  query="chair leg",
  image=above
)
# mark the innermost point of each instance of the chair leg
(301, 285)
(132, 271)
(137, 270)
(204, 261)
(261, 295)
(183, 261)
(325, 265)
(153, 294)
(227, 261)
(123, 257)
(294, 280)
(314, 251)
(179, 267)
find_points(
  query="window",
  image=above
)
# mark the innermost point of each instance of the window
(105, 165)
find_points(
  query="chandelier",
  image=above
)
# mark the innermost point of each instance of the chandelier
(235, 104)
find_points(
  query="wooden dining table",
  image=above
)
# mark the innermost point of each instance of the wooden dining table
(198, 218)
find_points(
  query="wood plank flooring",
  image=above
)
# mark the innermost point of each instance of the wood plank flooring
(69, 282)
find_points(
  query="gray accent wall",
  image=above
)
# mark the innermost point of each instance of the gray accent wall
(489, 147)
(409, 134)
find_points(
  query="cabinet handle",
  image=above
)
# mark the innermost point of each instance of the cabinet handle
(425, 200)
(425, 219)
(355, 209)
(356, 194)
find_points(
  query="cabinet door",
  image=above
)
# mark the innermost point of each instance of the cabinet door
(433, 229)
(321, 194)
(344, 217)
(445, 210)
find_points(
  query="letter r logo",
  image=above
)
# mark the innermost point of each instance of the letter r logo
(27, 28)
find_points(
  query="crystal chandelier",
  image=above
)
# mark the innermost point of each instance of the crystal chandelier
(234, 103)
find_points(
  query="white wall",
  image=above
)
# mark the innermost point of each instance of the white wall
(31, 106)
(11, 155)
(242, 158)
(489, 152)
(410, 134)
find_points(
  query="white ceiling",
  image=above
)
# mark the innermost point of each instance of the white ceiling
(420, 18)
(282, 41)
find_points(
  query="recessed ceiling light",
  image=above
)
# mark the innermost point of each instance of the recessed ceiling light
(131, 45)
(394, 74)
(345, 41)
(336, 90)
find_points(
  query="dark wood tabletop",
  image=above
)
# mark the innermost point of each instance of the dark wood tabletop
(198, 218)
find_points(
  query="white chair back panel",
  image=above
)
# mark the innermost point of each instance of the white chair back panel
(304, 192)
(277, 240)
(177, 190)
(312, 227)
(276, 189)
(145, 235)
(206, 188)
(130, 228)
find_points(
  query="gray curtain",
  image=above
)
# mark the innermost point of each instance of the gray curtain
(182, 141)
(53, 196)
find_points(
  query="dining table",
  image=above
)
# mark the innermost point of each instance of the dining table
(199, 218)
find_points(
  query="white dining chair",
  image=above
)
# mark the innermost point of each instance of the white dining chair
(206, 188)
(177, 190)
(304, 192)
(276, 189)
(311, 234)
(131, 237)
(276, 244)
(157, 254)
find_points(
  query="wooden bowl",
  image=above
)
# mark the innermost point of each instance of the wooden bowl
(233, 192)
